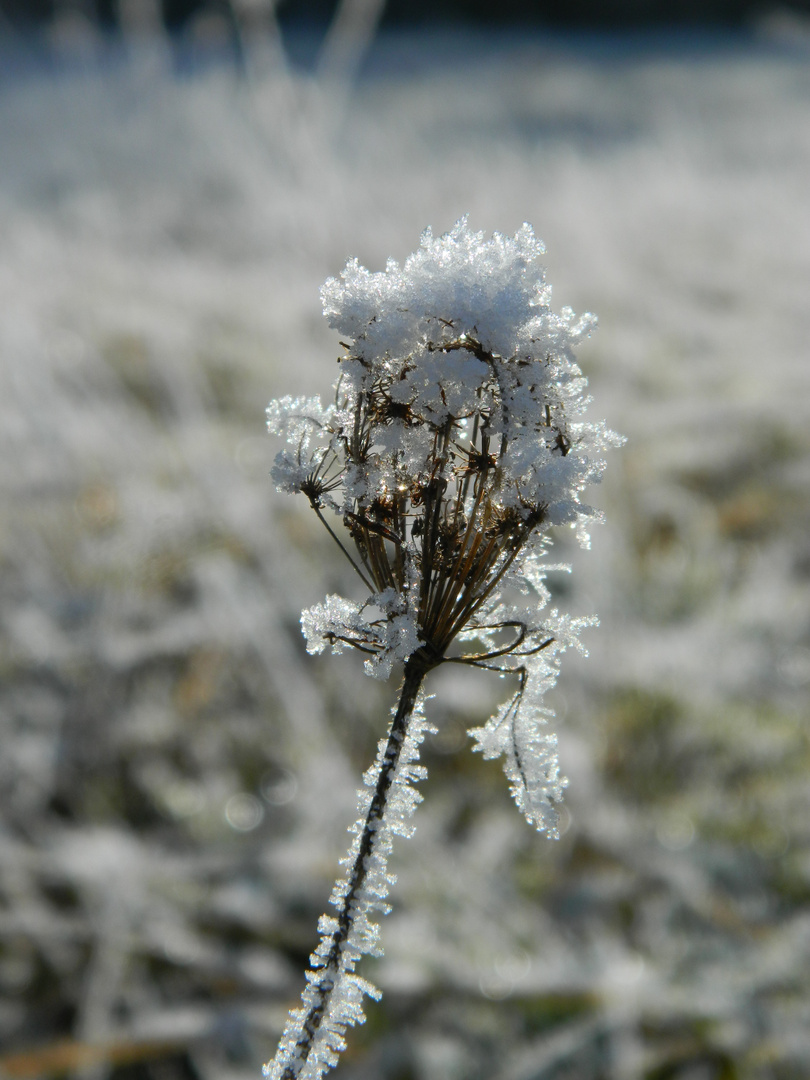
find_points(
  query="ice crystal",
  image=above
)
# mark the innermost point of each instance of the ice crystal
(456, 439)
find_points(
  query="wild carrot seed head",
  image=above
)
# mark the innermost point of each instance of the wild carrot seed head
(456, 439)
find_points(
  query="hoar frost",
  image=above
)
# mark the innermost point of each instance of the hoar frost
(455, 440)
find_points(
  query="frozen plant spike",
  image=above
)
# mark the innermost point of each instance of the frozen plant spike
(455, 441)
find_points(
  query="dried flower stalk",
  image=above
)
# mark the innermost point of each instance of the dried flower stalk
(455, 441)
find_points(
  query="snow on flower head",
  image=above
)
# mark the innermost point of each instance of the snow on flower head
(456, 440)
(489, 288)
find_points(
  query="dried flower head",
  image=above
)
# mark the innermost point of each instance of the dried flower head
(455, 441)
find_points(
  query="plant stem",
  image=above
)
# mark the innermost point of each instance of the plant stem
(334, 964)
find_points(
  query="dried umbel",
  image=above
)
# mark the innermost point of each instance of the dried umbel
(455, 441)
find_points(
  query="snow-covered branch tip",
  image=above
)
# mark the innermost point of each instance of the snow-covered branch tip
(455, 440)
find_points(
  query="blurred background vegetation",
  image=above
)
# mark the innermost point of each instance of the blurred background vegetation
(176, 775)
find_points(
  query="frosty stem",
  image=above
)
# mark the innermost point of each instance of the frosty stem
(334, 963)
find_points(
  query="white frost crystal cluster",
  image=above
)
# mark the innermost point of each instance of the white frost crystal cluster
(455, 440)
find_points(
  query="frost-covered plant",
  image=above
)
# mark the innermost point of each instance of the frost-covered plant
(455, 440)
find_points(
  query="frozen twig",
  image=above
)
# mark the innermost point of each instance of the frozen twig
(455, 441)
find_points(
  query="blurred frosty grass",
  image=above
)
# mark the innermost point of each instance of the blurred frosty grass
(176, 776)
